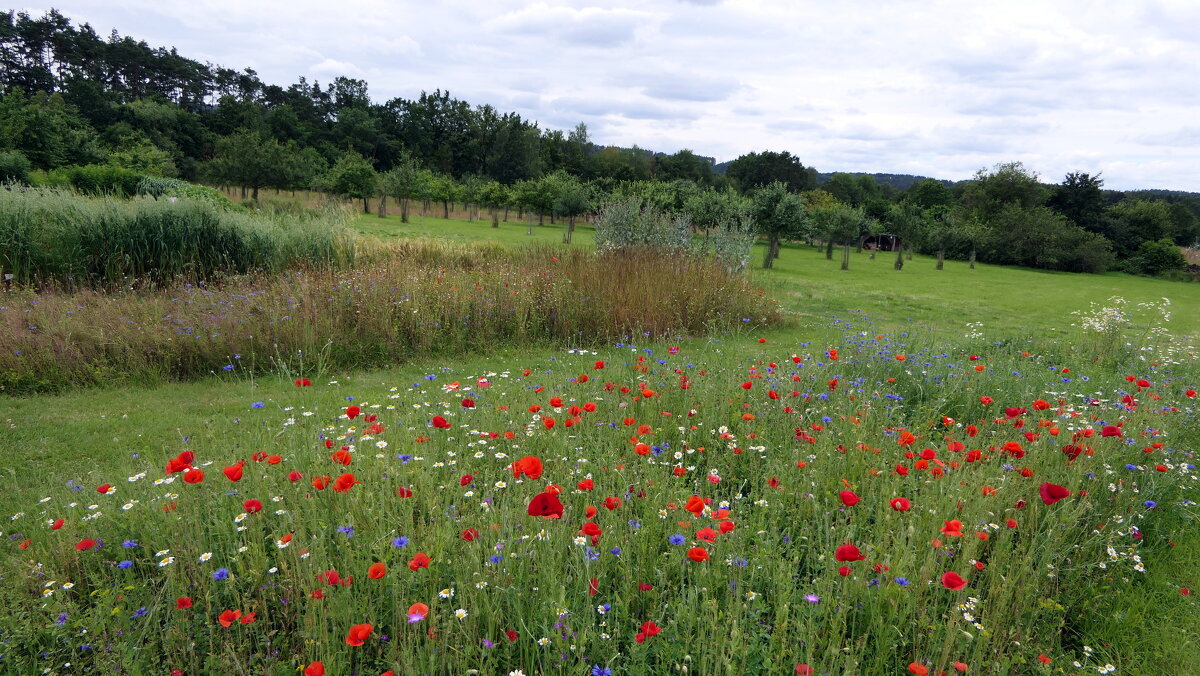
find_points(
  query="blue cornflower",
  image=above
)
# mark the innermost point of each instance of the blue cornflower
(676, 539)
(141, 612)
(902, 581)
(62, 619)
(495, 558)
(615, 551)
(598, 670)
(634, 523)
(257, 404)
(227, 367)
(125, 565)
(404, 458)
(400, 542)
(129, 544)
(592, 555)
(348, 530)
(221, 574)
(1150, 504)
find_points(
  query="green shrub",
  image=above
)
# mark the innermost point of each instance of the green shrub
(97, 179)
(1156, 258)
(14, 167)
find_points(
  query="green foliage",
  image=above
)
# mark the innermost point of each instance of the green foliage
(351, 176)
(251, 160)
(778, 213)
(629, 224)
(1137, 221)
(96, 180)
(757, 170)
(57, 238)
(1006, 184)
(14, 167)
(1156, 258)
(1040, 238)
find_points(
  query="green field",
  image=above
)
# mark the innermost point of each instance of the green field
(1099, 578)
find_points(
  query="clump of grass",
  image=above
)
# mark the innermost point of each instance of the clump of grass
(407, 299)
(50, 237)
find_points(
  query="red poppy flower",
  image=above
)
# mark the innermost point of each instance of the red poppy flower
(252, 506)
(249, 618)
(698, 554)
(918, 669)
(960, 666)
(650, 629)
(804, 670)
(545, 504)
(183, 602)
(358, 634)
(233, 472)
(465, 479)
(294, 476)
(193, 476)
(953, 581)
(342, 457)
(1014, 412)
(1110, 431)
(953, 528)
(470, 534)
(302, 382)
(512, 636)
(421, 560)
(586, 485)
(695, 505)
(593, 586)
(345, 482)
(706, 534)
(612, 503)
(228, 617)
(848, 553)
(352, 412)
(315, 669)
(104, 489)
(58, 523)
(440, 423)
(1190, 393)
(530, 466)
(468, 403)
(900, 504)
(404, 492)
(848, 498)
(1051, 493)
(320, 483)
(85, 544)
(377, 571)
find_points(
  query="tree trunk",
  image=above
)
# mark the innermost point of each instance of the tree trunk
(899, 256)
(505, 213)
(941, 257)
(495, 217)
(446, 209)
(404, 210)
(861, 240)
(845, 256)
(254, 196)
(529, 231)
(910, 253)
(769, 259)
(382, 206)
(972, 257)
(570, 231)
(829, 249)
(366, 205)
(541, 218)
(873, 252)
(243, 192)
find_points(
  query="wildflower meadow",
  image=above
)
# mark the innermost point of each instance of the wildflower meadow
(867, 504)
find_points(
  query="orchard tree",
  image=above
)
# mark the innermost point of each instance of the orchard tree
(353, 177)
(573, 200)
(403, 182)
(251, 161)
(778, 213)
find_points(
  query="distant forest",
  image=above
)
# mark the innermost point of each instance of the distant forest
(74, 104)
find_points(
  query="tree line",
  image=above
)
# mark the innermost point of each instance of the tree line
(79, 109)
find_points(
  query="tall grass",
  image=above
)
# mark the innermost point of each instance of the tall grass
(54, 237)
(409, 299)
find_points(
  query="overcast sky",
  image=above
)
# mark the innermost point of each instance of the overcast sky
(939, 88)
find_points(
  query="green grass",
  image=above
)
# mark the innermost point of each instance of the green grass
(1006, 300)
(709, 623)
(1047, 586)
